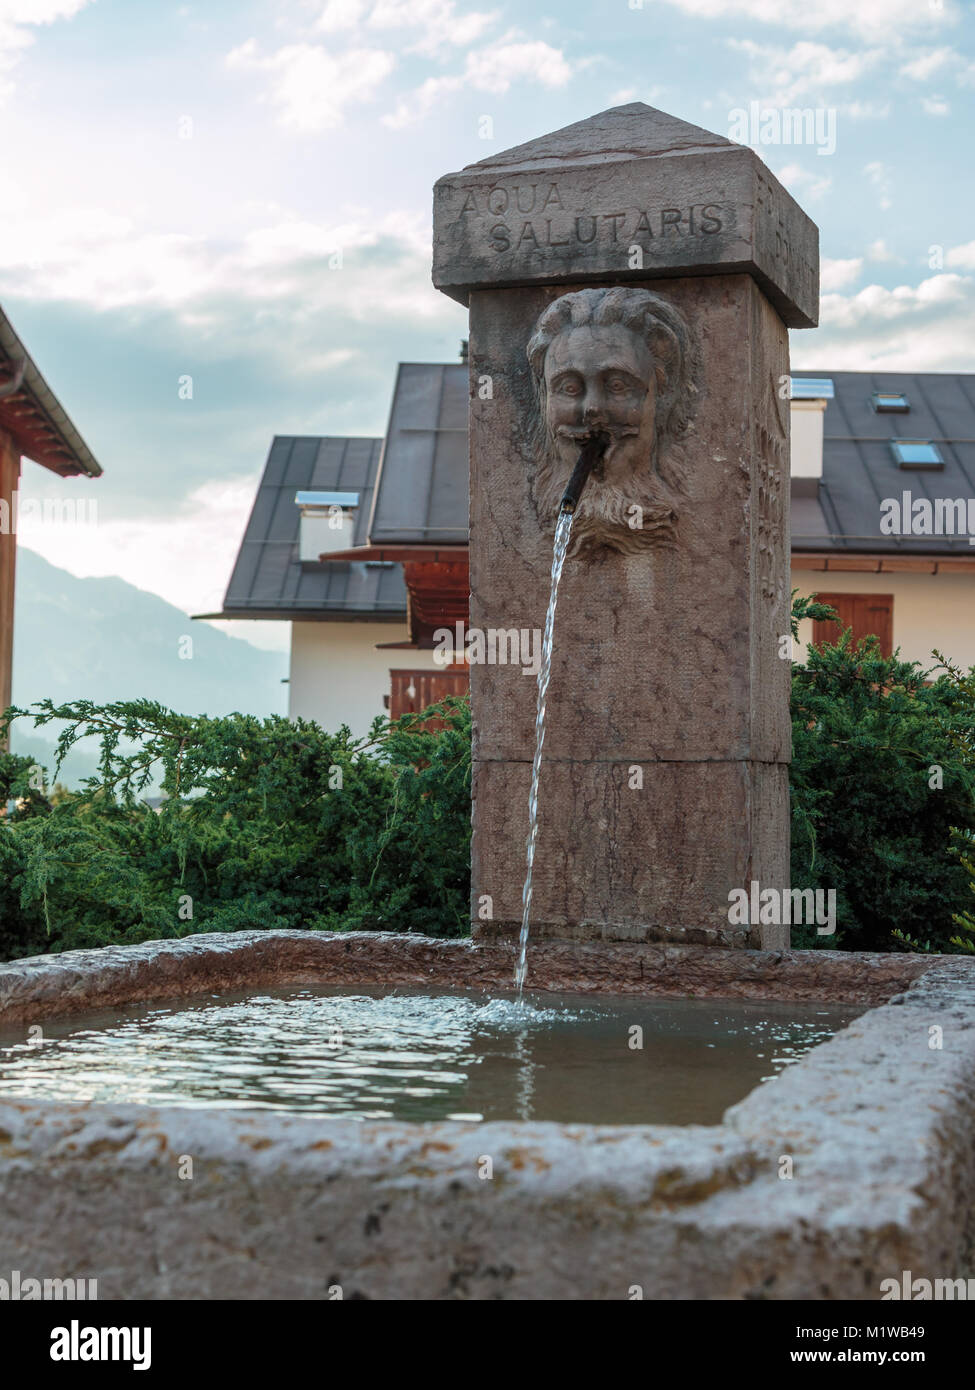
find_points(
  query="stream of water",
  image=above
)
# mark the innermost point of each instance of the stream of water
(562, 533)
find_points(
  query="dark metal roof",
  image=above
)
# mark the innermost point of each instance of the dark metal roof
(269, 580)
(421, 495)
(859, 469)
(422, 492)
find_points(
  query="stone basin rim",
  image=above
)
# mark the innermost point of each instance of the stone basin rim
(880, 1126)
(73, 982)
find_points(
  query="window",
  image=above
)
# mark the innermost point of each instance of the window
(869, 615)
(890, 402)
(812, 388)
(916, 453)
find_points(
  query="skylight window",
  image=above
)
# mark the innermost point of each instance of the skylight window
(916, 453)
(890, 402)
(812, 388)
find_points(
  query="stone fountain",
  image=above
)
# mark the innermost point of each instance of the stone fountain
(631, 280)
(634, 273)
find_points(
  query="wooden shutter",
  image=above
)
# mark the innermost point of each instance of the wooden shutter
(869, 615)
(428, 688)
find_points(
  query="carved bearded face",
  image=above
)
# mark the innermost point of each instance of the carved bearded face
(618, 361)
(601, 377)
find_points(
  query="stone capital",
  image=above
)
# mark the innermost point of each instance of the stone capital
(629, 195)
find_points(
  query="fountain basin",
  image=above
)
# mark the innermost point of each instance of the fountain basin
(421, 1055)
(876, 1127)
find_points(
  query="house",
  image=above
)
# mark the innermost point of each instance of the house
(362, 543)
(396, 510)
(883, 507)
(33, 425)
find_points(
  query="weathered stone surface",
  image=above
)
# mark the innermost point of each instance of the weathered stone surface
(570, 207)
(669, 656)
(880, 1128)
(40, 987)
(673, 653)
(672, 633)
(629, 851)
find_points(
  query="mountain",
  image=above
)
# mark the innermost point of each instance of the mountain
(104, 639)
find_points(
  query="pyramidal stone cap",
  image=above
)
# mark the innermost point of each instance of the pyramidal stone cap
(629, 195)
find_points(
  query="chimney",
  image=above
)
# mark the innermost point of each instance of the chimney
(808, 408)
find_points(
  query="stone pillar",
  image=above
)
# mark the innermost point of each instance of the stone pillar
(665, 778)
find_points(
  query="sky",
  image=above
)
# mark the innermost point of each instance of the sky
(215, 218)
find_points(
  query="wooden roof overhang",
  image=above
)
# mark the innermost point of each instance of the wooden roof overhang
(32, 415)
(882, 562)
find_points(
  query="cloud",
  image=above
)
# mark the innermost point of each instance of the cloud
(341, 14)
(879, 251)
(924, 327)
(439, 24)
(806, 67)
(311, 86)
(188, 551)
(493, 68)
(879, 176)
(416, 104)
(921, 67)
(838, 275)
(961, 257)
(18, 19)
(869, 19)
(300, 295)
(865, 110)
(935, 106)
(800, 181)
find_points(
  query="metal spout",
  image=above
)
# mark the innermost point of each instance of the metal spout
(590, 454)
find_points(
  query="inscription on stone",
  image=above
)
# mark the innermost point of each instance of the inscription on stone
(670, 214)
(538, 216)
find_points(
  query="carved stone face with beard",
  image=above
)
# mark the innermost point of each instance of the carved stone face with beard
(623, 362)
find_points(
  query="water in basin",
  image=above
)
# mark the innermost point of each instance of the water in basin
(422, 1055)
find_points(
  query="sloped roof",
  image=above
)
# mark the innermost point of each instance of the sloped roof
(859, 469)
(269, 580)
(422, 494)
(33, 415)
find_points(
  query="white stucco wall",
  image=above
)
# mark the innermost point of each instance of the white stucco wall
(338, 676)
(930, 610)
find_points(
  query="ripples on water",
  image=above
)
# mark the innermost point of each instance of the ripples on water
(422, 1056)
